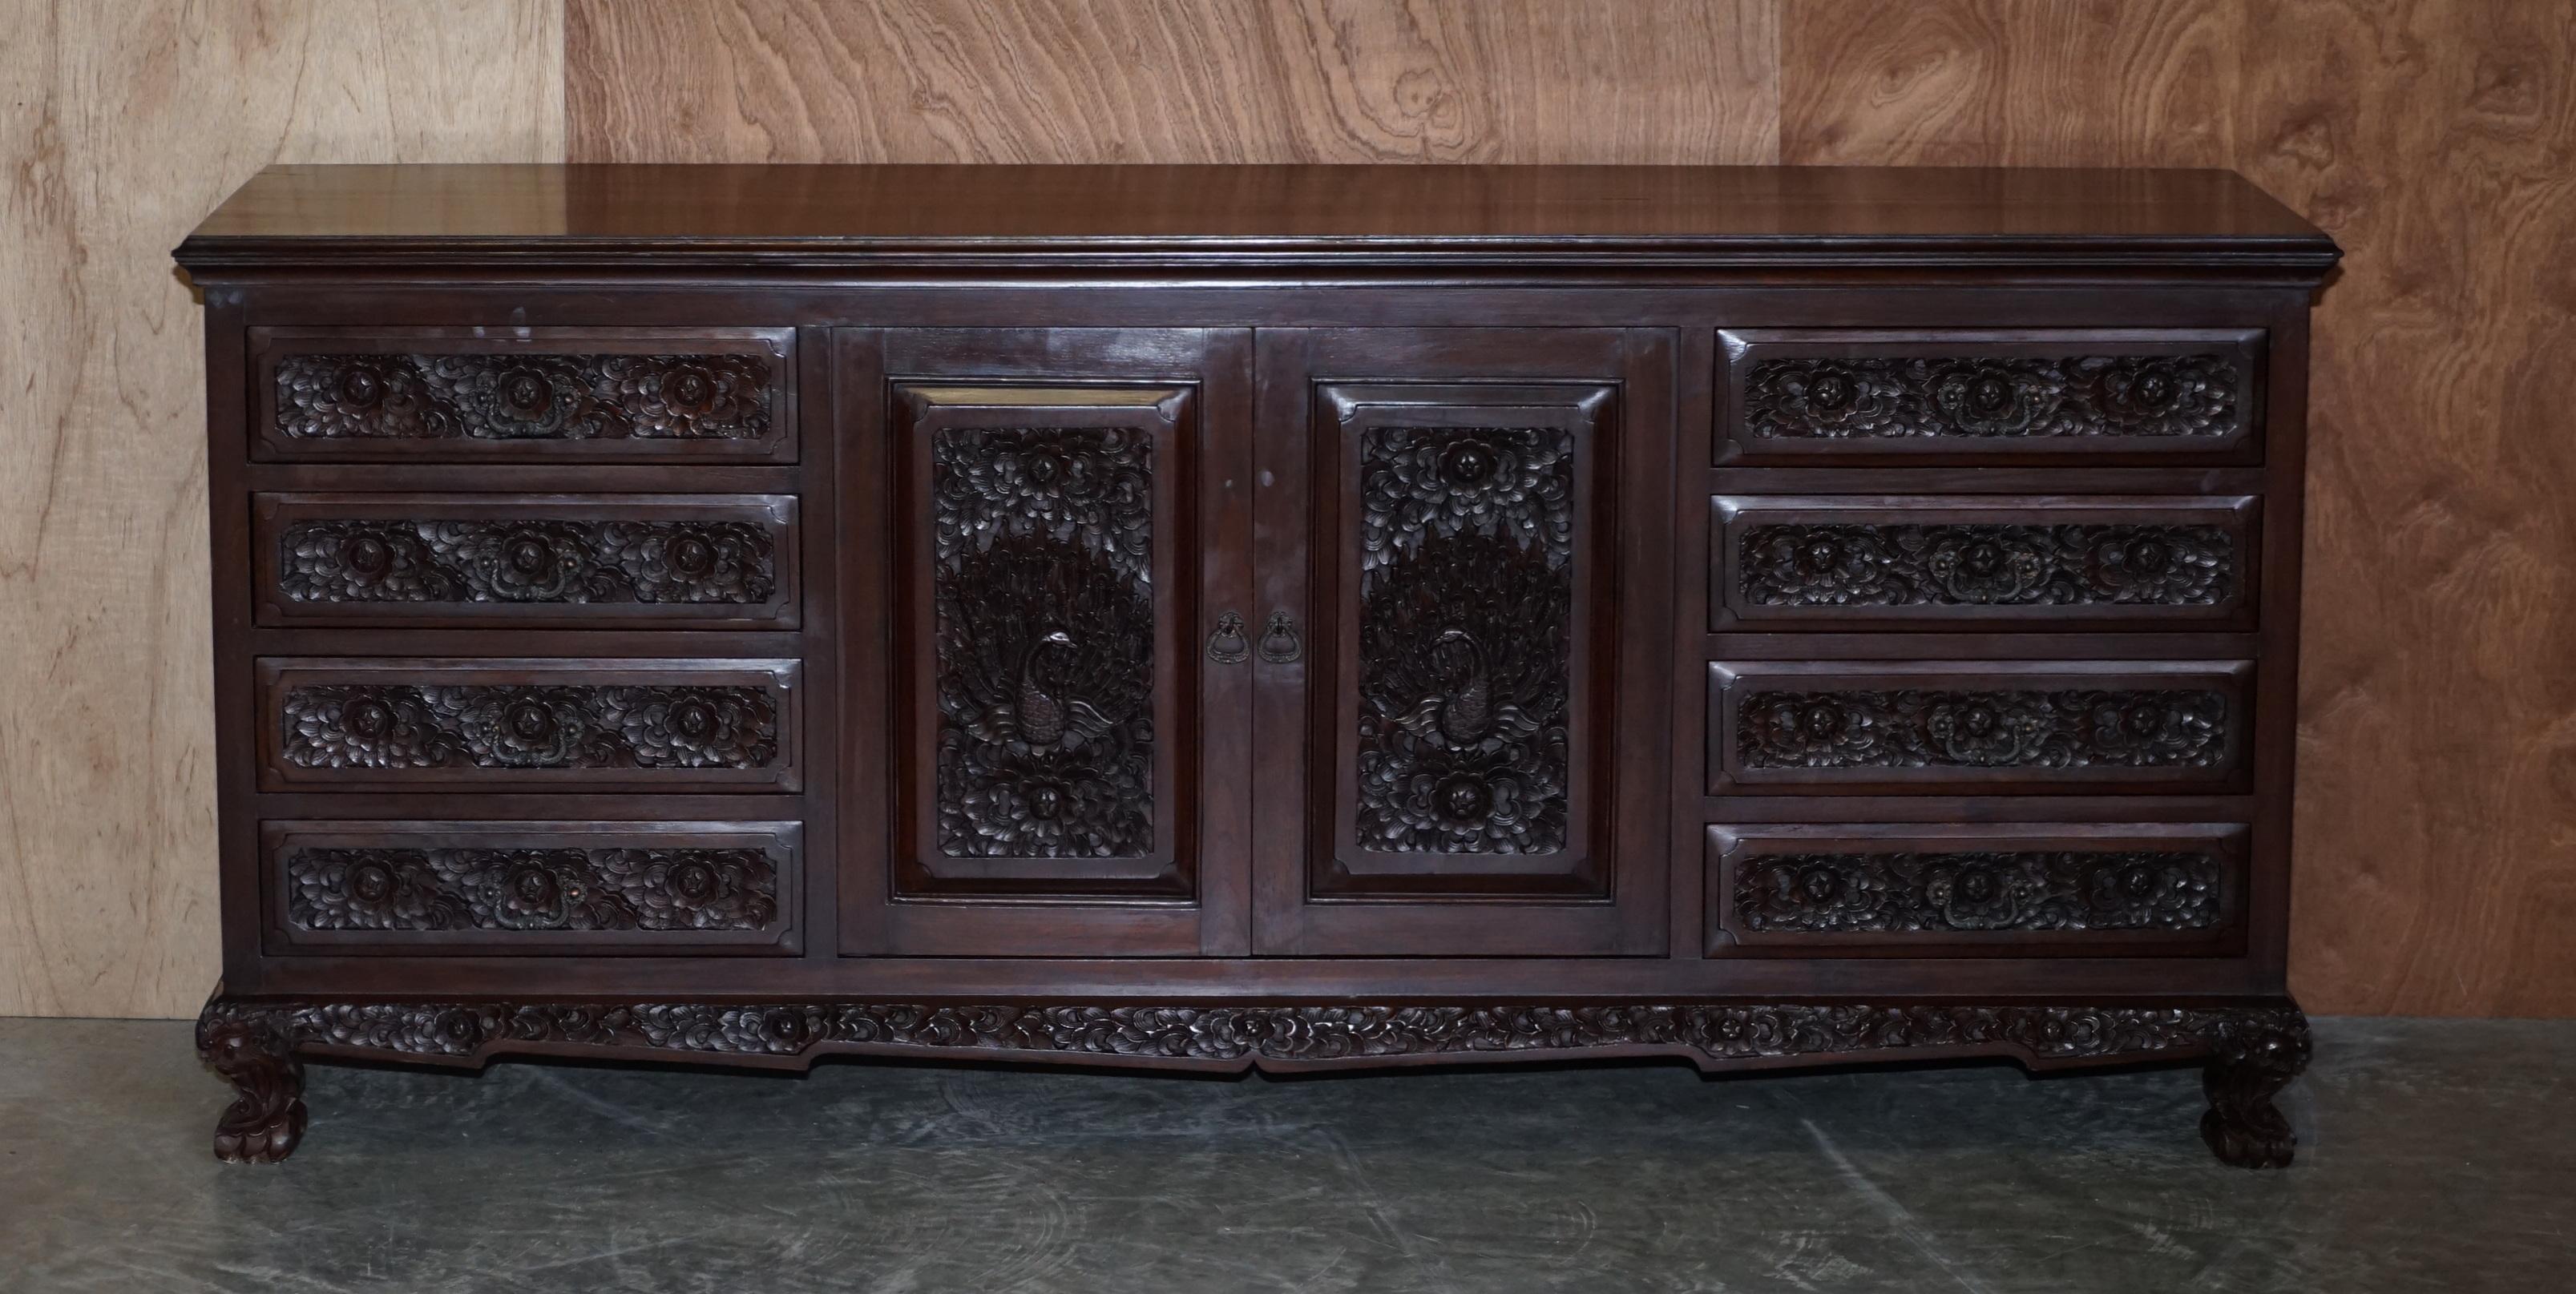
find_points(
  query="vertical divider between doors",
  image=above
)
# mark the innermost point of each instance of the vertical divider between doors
(820, 624)
(1228, 487)
(1282, 563)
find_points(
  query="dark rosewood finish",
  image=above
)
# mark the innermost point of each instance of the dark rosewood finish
(1281, 617)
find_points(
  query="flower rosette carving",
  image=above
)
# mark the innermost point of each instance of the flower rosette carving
(361, 561)
(693, 889)
(1088, 489)
(369, 889)
(1974, 892)
(693, 727)
(521, 396)
(1987, 565)
(2179, 395)
(1987, 729)
(1900, 397)
(2160, 566)
(688, 397)
(719, 561)
(524, 396)
(359, 726)
(1811, 730)
(530, 890)
(1821, 566)
(322, 396)
(1996, 399)
(1421, 482)
(1829, 398)
(520, 727)
(2162, 729)
(530, 561)
(1920, 728)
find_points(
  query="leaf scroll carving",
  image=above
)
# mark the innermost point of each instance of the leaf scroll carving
(1969, 892)
(532, 561)
(370, 888)
(513, 396)
(395, 726)
(1900, 397)
(1923, 728)
(1850, 565)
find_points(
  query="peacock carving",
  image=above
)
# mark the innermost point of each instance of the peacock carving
(1465, 646)
(1046, 704)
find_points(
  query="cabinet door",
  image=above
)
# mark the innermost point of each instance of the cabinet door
(1459, 714)
(1053, 717)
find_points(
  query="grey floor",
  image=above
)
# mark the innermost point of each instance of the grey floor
(2435, 1156)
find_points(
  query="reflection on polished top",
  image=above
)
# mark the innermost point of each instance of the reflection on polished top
(1709, 215)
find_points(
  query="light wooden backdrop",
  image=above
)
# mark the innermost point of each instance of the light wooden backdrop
(2435, 138)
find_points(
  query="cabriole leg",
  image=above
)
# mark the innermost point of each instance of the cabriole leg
(2255, 1057)
(256, 1052)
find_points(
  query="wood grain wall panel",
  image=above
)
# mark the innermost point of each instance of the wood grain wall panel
(1658, 81)
(127, 122)
(2437, 140)
(2004, 83)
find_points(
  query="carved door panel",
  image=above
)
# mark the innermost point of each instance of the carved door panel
(1458, 713)
(1059, 698)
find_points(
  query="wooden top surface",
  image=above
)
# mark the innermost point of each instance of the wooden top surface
(1220, 214)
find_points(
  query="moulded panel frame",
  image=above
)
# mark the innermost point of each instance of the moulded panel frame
(1732, 847)
(1741, 348)
(1733, 516)
(277, 676)
(271, 343)
(776, 514)
(1730, 682)
(784, 938)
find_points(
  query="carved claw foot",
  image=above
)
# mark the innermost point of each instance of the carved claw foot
(253, 1050)
(2256, 1056)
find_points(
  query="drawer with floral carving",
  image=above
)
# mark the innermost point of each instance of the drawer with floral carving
(2002, 727)
(528, 725)
(403, 887)
(2107, 562)
(1840, 396)
(525, 394)
(1990, 890)
(642, 560)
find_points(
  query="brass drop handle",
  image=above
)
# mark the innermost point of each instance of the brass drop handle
(1279, 641)
(1226, 645)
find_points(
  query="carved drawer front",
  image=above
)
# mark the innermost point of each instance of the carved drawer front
(432, 394)
(529, 725)
(1982, 562)
(417, 888)
(1830, 395)
(678, 560)
(2008, 890)
(1945, 727)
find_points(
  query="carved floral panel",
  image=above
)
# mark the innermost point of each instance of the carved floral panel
(1042, 576)
(1898, 397)
(1875, 565)
(525, 396)
(1925, 728)
(395, 727)
(1466, 593)
(1969, 892)
(550, 889)
(531, 561)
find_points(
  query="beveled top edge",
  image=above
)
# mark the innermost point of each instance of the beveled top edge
(1227, 217)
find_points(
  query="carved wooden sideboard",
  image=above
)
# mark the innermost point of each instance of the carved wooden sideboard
(1294, 617)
